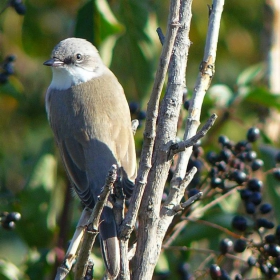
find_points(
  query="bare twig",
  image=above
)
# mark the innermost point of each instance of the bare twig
(187, 203)
(134, 126)
(160, 35)
(181, 146)
(93, 223)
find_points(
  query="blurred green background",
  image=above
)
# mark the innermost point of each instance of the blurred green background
(32, 180)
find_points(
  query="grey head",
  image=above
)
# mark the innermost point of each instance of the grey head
(74, 61)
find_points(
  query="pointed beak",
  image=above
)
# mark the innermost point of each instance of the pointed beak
(54, 62)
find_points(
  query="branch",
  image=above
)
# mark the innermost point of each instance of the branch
(181, 146)
(93, 223)
(151, 119)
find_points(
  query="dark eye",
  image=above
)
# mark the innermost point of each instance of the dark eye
(79, 57)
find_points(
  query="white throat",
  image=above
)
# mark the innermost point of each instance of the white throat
(64, 78)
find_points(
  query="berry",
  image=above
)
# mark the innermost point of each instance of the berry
(253, 134)
(251, 261)
(215, 271)
(18, 6)
(223, 140)
(8, 225)
(238, 277)
(141, 115)
(238, 176)
(245, 194)
(239, 245)
(250, 156)
(277, 157)
(255, 185)
(270, 238)
(272, 250)
(261, 222)
(133, 107)
(239, 223)
(222, 166)
(250, 208)
(224, 275)
(276, 173)
(225, 155)
(256, 198)
(212, 157)
(13, 216)
(193, 192)
(257, 164)
(277, 231)
(225, 246)
(3, 78)
(241, 146)
(265, 208)
(216, 182)
(187, 105)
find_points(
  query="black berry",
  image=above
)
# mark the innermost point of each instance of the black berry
(239, 223)
(239, 245)
(253, 134)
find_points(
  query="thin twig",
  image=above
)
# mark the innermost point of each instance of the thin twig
(160, 35)
(181, 146)
(93, 223)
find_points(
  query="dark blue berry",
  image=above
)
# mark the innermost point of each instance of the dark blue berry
(239, 223)
(238, 277)
(272, 250)
(261, 222)
(133, 107)
(193, 192)
(141, 115)
(265, 208)
(255, 185)
(256, 198)
(238, 176)
(187, 105)
(253, 134)
(250, 208)
(276, 173)
(241, 146)
(13, 216)
(239, 245)
(215, 272)
(277, 231)
(251, 261)
(256, 164)
(222, 166)
(270, 238)
(250, 156)
(223, 140)
(212, 157)
(225, 246)
(9, 225)
(245, 194)
(216, 182)
(277, 157)
(225, 155)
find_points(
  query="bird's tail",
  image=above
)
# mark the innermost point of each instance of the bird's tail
(109, 242)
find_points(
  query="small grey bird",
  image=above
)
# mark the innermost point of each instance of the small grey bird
(90, 119)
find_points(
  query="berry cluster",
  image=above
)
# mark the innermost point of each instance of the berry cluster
(7, 68)
(8, 220)
(235, 166)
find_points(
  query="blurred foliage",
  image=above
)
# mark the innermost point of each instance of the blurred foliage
(32, 180)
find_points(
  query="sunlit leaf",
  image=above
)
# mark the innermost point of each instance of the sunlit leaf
(251, 73)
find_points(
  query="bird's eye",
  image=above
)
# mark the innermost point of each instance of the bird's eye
(79, 57)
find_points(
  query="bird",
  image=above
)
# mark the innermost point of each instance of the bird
(90, 119)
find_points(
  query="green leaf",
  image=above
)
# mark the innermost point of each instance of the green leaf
(254, 72)
(96, 22)
(263, 97)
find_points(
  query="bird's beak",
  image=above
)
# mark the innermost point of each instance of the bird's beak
(54, 62)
